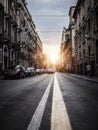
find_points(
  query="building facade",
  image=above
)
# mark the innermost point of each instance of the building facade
(1, 32)
(65, 52)
(26, 36)
(18, 39)
(72, 35)
(39, 48)
(10, 33)
(86, 35)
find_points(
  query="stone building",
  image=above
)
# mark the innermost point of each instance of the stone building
(1, 32)
(39, 48)
(65, 51)
(10, 33)
(26, 35)
(72, 35)
(18, 39)
(86, 35)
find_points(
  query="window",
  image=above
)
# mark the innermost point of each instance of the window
(97, 20)
(79, 54)
(84, 53)
(5, 29)
(12, 34)
(89, 26)
(6, 6)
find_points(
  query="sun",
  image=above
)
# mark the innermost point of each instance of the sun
(53, 58)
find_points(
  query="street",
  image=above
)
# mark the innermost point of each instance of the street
(48, 102)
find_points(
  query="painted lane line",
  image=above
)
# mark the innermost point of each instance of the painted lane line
(59, 118)
(37, 117)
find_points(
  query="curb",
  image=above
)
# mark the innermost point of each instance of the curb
(91, 80)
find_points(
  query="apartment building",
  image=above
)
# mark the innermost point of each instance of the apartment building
(18, 36)
(72, 35)
(26, 35)
(10, 32)
(65, 51)
(1, 32)
(86, 36)
(39, 48)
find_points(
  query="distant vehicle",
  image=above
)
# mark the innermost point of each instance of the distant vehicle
(43, 71)
(38, 71)
(30, 71)
(51, 70)
(15, 71)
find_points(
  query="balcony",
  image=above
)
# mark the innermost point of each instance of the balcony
(76, 31)
(26, 29)
(7, 16)
(13, 22)
(29, 34)
(95, 5)
(83, 19)
(79, 25)
(95, 2)
(30, 46)
(6, 35)
(19, 3)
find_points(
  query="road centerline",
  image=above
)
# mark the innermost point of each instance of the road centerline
(37, 117)
(59, 118)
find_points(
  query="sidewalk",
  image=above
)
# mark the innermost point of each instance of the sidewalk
(85, 77)
(1, 77)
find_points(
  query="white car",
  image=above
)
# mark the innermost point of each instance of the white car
(30, 71)
(38, 71)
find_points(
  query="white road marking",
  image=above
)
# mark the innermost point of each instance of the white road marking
(59, 119)
(37, 117)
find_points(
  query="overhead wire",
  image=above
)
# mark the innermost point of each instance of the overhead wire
(52, 31)
(49, 15)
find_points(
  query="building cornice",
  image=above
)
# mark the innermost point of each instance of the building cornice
(77, 8)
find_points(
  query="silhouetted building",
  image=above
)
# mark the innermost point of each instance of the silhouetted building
(72, 35)
(65, 52)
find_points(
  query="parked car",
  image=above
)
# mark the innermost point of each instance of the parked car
(30, 71)
(38, 71)
(43, 71)
(51, 70)
(15, 71)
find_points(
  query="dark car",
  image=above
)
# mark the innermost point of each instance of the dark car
(15, 71)
(30, 71)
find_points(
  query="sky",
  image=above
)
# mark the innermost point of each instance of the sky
(50, 27)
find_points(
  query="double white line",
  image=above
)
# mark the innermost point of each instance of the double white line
(59, 118)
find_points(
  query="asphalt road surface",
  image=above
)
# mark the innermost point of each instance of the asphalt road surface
(49, 102)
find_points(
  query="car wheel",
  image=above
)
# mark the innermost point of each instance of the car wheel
(20, 75)
(24, 75)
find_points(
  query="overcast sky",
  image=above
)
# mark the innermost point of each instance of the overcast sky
(51, 40)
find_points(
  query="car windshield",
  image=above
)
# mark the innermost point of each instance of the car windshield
(30, 69)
